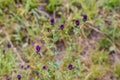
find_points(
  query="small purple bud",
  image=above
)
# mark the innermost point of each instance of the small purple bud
(37, 73)
(8, 79)
(9, 45)
(44, 67)
(19, 76)
(52, 21)
(70, 66)
(28, 66)
(84, 17)
(38, 48)
(62, 27)
(77, 22)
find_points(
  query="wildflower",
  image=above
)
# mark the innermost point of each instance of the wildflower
(9, 45)
(8, 79)
(84, 17)
(19, 76)
(52, 21)
(77, 22)
(28, 66)
(62, 27)
(37, 73)
(38, 48)
(70, 66)
(44, 67)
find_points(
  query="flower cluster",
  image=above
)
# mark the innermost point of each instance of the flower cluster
(77, 22)
(9, 45)
(84, 17)
(37, 48)
(52, 20)
(44, 67)
(19, 77)
(62, 27)
(70, 66)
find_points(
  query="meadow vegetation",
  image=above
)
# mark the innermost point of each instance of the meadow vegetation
(59, 39)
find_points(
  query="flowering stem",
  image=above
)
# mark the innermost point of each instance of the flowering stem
(13, 48)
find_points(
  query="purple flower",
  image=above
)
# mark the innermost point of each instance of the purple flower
(19, 76)
(70, 66)
(9, 45)
(84, 17)
(52, 21)
(37, 73)
(28, 66)
(62, 27)
(38, 48)
(44, 67)
(8, 79)
(77, 22)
